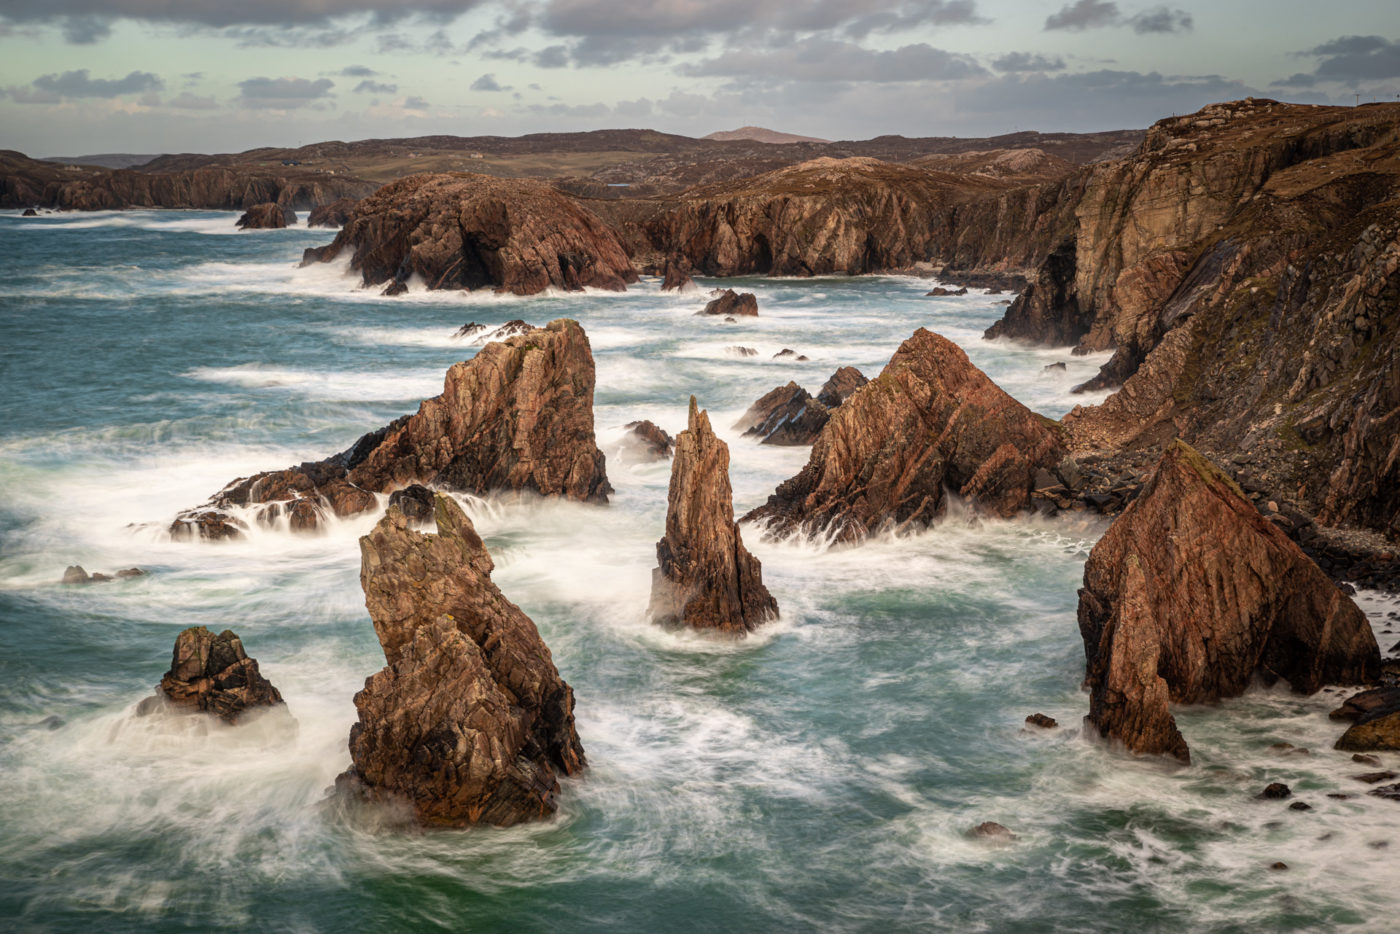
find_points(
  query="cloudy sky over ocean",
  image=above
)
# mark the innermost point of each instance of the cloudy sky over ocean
(86, 76)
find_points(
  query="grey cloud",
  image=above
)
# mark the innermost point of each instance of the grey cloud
(78, 84)
(616, 18)
(415, 103)
(282, 93)
(225, 13)
(85, 30)
(554, 56)
(290, 37)
(1084, 14)
(358, 71)
(188, 101)
(1028, 61)
(375, 87)
(1352, 59)
(825, 60)
(1097, 97)
(1299, 80)
(487, 82)
(1161, 19)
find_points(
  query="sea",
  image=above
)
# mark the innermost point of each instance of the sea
(822, 774)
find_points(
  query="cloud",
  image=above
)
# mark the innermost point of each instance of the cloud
(1352, 59)
(220, 13)
(415, 103)
(1028, 61)
(77, 84)
(618, 18)
(375, 87)
(358, 71)
(282, 93)
(188, 101)
(826, 60)
(1161, 20)
(85, 30)
(1084, 14)
(487, 82)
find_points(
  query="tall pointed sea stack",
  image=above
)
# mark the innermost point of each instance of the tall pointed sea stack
(705, 577)
(931, 420)
(470, 722)
(1190, 594)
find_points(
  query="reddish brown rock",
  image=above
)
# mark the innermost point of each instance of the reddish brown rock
(1191, 594)
(1376, 721)
(843, 383)
(214, 674)
(654, 441)
(787, 415)
(705, 578)
(464, 231)
(518, 416)
(334, 214)
(677, 275)
(730, 302)
(267, 216)
(470, 721)
(931, 420)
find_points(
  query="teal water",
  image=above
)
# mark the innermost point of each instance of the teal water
(817, 776)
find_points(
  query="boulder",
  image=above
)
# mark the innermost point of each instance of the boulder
(930, 421)
(705, 578)
(730, 302)
(416, 502)
(334, 214)
(839, 388)
(1042, 721)
(267, 216)
(1191, 594)
(739, 351)
(677, 276)
(465, 231)
(788, 416)
(656, 442)
(30, 212)
(75, 574)
(941, 292)
(1377, 722)
(469, 722)
(518, 417)
(214, 674)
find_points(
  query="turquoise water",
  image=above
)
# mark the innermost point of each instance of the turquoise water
(820, 775)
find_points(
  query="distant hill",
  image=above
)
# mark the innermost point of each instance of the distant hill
(762, 135)
(108, 160)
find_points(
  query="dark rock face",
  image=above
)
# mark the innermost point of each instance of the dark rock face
(788, 415)
(930, 420)
(75, 574)
(469, 722)
(415, 501)
(1376, 722)
(1192, 593)
(941, 292)
(214, 674)
(730, 302)
(463, 231)
(657, 443)
(705, 578)
(1047, 312)
(677, 275)
(517, 416)
(267, 216)
(839, 388)
(335, 214)
(30, 212)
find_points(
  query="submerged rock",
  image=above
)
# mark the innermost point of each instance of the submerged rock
(518, 416)
(267, 216)
(213, 674)
(470, 721)
(1191, 594)
(705, 578)
(930, 421)
(1042, 721)
(730, 302)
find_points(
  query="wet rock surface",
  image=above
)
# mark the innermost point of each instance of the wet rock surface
(334, 214)
(705, 578)
(840, 386)
(787, 415)
(729, 302)
(213, 674)
(655, 442)
(267, 216)
(1191, 594)
(676, 276)
(469, 722)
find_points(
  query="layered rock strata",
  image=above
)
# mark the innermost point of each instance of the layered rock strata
(463, 231)
(469, 722)
(840, 387)
(518, 416)
(213, 674)
(787, 415)
(930, 422)
(705, 578)
(1191, 594)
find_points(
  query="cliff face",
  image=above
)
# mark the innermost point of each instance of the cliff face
(517, 416)
(463, 231)
(1192, 593)
(705, 578)
(931, 420)
(469, 722)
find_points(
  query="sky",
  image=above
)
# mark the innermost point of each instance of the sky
(148, 76)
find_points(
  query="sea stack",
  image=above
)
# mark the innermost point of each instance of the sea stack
(930, 421)
(730, 302)
(469, 723)
(267, 216)
(705, 578)
(212, 673)
(1191, 594)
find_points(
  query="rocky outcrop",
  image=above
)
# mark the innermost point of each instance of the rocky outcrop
(676, 276)
(843, 383)
(517, 417)
(729, 302)
(267, 216)
(1191, 594)
(213, 674)
(705, 578)
(931, 421)
(788, 415)
(75, 574)
(469, 722)
(1375, 716)
(656, 443)
(463, 231)
(335, 214)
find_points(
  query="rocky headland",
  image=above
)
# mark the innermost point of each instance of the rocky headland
(705, 578)
(469, 722)
(516, 417)
(464, 231)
